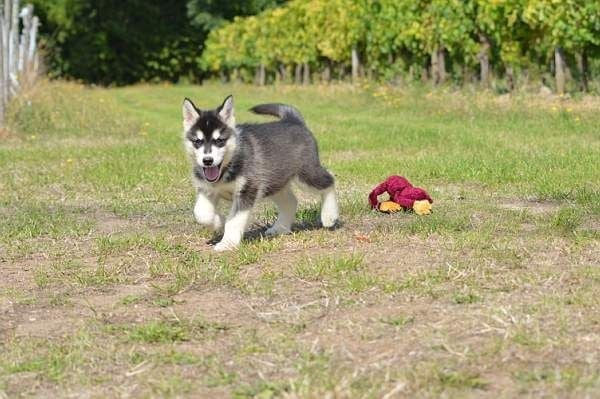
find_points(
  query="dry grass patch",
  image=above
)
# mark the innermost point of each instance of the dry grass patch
(110, 289)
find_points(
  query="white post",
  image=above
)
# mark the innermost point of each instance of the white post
(26, 14)
(355, 65)
(5, 51)
(18, 50)
(32, 54)
(21, 53)
(2, 84)
(14, 46)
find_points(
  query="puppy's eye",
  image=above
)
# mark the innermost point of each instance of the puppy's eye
(198, 142)
(220, 142)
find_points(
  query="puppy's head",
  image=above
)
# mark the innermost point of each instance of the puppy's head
(210, 137)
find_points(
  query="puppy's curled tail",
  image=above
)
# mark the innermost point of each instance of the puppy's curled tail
(286, 113)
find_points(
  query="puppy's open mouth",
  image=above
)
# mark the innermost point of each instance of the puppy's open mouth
(212, 173)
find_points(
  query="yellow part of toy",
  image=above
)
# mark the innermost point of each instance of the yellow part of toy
(422, 207)
(389, 207)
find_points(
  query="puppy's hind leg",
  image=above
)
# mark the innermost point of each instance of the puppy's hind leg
(205, 211)
(320, 179)
(330, 211)
(286, 207)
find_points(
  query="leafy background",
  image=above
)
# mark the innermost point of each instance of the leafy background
(123, 42)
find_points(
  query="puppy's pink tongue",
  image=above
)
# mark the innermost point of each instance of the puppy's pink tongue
(211, 173)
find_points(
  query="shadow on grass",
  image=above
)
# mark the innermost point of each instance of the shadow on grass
(259, 232)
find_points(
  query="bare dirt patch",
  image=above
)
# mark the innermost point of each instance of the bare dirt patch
(452, 313)
(109, 223)
(532, 206)
(591, 223)
(4, 133)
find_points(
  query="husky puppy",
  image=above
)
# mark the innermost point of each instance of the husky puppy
(248, 162)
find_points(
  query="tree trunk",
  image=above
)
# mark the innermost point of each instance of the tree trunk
(583, 67)
(235, 75)
(559, 70)
(283, 73)
(484, 61)
(425, 71)
(355, 65)
(260, 75)
(467, 75)
(438, 66)
(442, 66)
(510, 78)
(277, 76)
(327, 72)
(306, 77)
(435, 71)
(298, 74)
(568, 74)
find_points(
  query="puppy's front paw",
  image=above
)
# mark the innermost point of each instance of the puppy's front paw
(218, 223)
(224, 246)
(276, 230)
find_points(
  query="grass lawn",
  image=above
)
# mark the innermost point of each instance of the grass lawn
(109, 288)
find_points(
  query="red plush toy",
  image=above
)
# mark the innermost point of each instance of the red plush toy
(403, 194)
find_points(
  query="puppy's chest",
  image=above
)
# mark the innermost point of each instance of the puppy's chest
(226, 190)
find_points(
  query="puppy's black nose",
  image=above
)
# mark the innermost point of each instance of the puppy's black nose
(207, 161)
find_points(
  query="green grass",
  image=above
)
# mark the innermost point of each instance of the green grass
(162, 331)
(106, 277)
(346, 273)
(567, 219)
(398, 321)
(466, 298)
(50, 359)
(461, 380)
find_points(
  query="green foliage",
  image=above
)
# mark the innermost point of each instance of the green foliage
(392, 35)
(394, 28)
(338, 26)
(116, 42)
(571, 24)
(501, 22)
(210, 14)
(113, 42)
(110, 41)
(446, 24)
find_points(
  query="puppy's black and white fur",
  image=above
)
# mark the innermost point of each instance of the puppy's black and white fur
(248, 162)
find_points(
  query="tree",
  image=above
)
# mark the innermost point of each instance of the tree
(568, 26)
(448, 29)
(340, 29)
(500, 24)
(393, 35)
(211, 14)
(394, 30)
(115, 42)
(122, 42)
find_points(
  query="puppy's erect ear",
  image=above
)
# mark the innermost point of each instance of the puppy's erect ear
(190, 114)
(226, 111)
